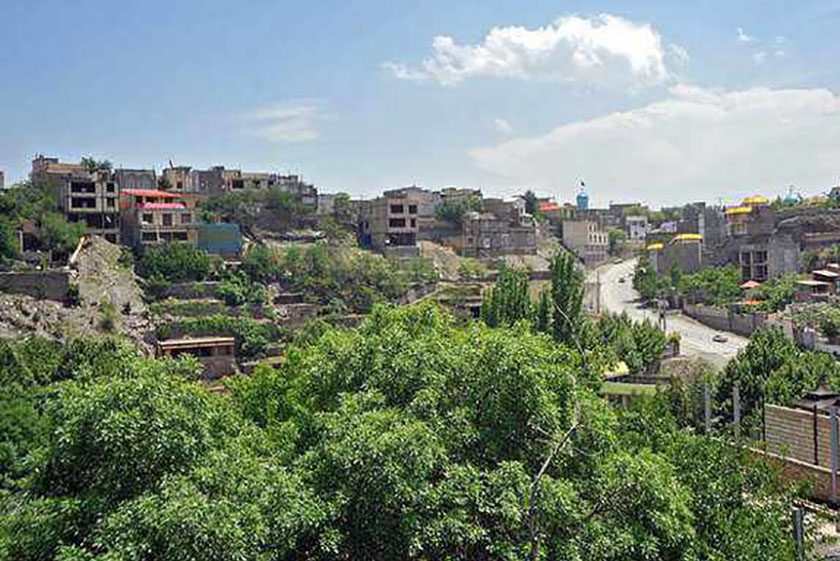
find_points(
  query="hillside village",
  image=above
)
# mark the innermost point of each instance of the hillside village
(235, 269)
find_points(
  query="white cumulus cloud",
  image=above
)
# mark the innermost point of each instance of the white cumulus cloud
(696, 144)
(603, 49)
(503, 126)
(295, 121)
(743, 37)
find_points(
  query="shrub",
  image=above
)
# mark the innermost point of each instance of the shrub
(175, 262)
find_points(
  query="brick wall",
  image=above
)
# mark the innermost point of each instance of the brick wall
(819, 478)
(790, 432)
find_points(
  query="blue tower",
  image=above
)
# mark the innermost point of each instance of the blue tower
(582, 200)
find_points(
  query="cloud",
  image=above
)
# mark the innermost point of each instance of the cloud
(285, 122)
(743, 37)
(759, 57)
(678, 55)
(696, 144)
(605, 49)
(502, 125)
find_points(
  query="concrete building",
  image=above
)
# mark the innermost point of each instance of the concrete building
(684, 250)
(2, 180)
(767, 257)
(150, 217)
(487, 235)
(89, 197)
(397, 218)
(637, 227)
(586, 239)
(136, 178)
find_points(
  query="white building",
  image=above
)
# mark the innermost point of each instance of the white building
(637, 227)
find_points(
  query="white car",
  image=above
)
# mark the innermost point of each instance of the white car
(718, 338)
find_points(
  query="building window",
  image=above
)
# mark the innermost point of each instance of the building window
(180, 236)
(397, 209)
(149, 236)
(396, 223)
(148, 218)
(412, 209)
(167, 220)
(186, 218)
(413, 223)
(110, 203)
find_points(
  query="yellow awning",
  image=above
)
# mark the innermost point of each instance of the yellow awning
(688, 238)
(655, 247)
(756, 200)
(738, 210)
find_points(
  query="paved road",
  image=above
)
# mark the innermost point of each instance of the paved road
(695, 338)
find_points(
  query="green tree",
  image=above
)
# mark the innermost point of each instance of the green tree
(617, 241)
(531, 203)
(508, 301)
(175, 262)
(59, 235)
(566, 298)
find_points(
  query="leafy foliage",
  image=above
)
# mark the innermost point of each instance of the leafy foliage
(175, 262)
(717, 286)
(407, 438)
(453, 211)
(353, 280)
(771, 369)
(508, 301)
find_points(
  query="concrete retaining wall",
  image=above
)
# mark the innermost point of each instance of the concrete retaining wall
(52, 285)
(724, 320)
(791, 433)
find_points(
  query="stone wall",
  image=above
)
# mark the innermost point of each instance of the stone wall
(724, 320)
(52, 285)
(192, 290)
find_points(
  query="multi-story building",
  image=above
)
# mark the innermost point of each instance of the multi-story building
(87, 196)
(587, 240)
(393, 220)
(739, 218)
(684, 250)
(136, 178)
(765, 257)
(488, 235)
(637, 227)
(150, 217)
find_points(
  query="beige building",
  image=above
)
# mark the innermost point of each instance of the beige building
(82, 196)
(150, 217)
(586, 239)
(395, 219)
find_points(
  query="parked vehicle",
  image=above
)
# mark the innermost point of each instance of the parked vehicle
(718, 338)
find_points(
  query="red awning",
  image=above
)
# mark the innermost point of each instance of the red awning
(750, 284)
(149, 193)
(161, 206)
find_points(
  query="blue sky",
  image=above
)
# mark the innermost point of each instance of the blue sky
(661, 102)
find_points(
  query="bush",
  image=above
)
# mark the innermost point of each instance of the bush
(175, 262)
(109, 315)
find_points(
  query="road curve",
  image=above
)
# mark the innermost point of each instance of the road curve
(695, 338)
